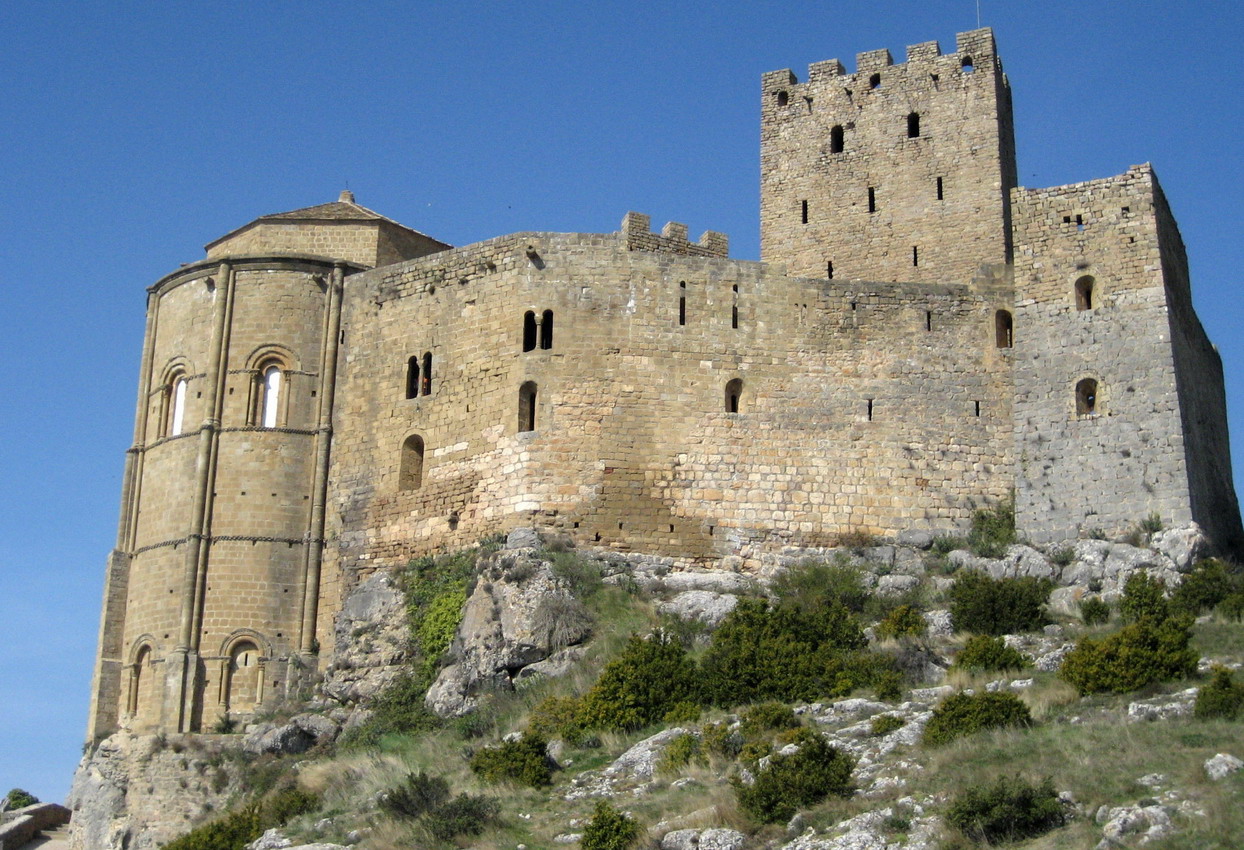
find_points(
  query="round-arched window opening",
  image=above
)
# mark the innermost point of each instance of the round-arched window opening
(410, 468)
(1085, 293)
(271, 390)
(783, 98)
(1086, 398)
(1004, 329)
(837, 139)
(734, 396)
(874, 82)
(967, 65)
(177, 416)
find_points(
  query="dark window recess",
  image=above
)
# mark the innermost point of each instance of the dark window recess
(870, 410)
(529, 331)
(783, 98)
(734, 316)
(967, 65)
(913, 125)
(1079, 222)
(940, 194)
(1084, 293)
(928, 320)
(874, 82)
(426, 385)
(546, 330)
(527, 407)
(836, 139)
(734, 395)
(978, 408)
(872, 199)
(410, 471)
(915, 255)
(682, 302)
(829, 269)
(804, 212)
(1004, 329)
(1086, 397)
(412, 377)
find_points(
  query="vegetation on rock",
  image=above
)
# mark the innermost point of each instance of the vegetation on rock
(988, 606)
(966, 714)
(1009, 809)
(789, 782)
(989, 654)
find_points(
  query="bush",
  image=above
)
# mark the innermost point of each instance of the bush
(781, 653)
(558, 717)
(719, 739)
(649, 677)
(524, 760)
(766, 717)
(993, 529)
(986, 653)
(609, 829)
(399, 709)
(1062, 556)
(963, 714)
(1222, 697)
(812, 585)
(989, 606)
(1008, 810)
(1094, 610)
(19, 799)
(288, 803)
(1232, 608)
(903, 621)
(231, 832)
(582, 577)
(418, 795)
(803, 778)
(884, 724)
(1143, 598)
(1209, 583)
(679, 753)
(1140, 654)
(682, 712)
(465, 814)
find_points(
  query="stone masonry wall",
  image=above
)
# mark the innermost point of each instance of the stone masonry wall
(939, 199)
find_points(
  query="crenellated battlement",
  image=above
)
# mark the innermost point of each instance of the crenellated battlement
(637, 235)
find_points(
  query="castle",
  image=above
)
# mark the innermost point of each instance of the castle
(330, 393)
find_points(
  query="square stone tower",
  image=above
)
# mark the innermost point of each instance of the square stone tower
(893, 173)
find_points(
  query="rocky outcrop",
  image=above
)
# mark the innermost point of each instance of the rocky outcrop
(519, 614)
(371, 640)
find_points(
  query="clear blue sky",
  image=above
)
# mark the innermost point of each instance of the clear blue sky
(131, 134)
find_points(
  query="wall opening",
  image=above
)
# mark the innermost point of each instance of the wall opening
(141, 701)
(177, 417)
(967, 65)
(928, 320)
(829, 269)
(271, 390)
(242, 683)
(426, 385)
(913, 125)
(682, 302)
(874, 82)
(804, 212)
(872, 199)
(410, 470)
(870, 410)
(836, 139)
(527, 407)
(734, 395)
(915, 255)
(1084, 293)
(546, 330)
(940, 194)
(1004, 329)
(783, 98)
(412, 377)
(978, 408)
(1086, 397)
(529, 331)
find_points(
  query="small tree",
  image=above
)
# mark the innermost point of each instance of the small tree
(609, 829)
(19, 799)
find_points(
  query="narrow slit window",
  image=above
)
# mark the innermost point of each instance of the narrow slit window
(913, 125)
(682, 302)
(410, 472)
(804, 212)
(1004, 329)
(928, 320)
(271, 396)
(426, 386)
(527, 407)
(529, 331)
(734, 395)
(1084, 293)
(829, 269)
(941, 196)
(915, 255)
(870, 410)
(546, 330)
(978, 408)
(1086, 397)
(412, 377)
(872, 199)
(179, 406)
(837, 138)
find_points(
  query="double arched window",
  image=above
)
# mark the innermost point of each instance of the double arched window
(270, 389)
(537, 332)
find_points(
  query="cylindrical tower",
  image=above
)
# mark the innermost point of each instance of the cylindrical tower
(212, 593)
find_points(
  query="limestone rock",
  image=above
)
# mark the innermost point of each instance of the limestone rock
(1129, 825)
(717, 581)
(1163, 708)
(1222, 765)
(520, 613)
(703, 839)
(939, 623)
(895, 585)
(558, 664)
(300, 734)
(706, 606)
(270, 840)
(1184, 545)
(640, 761)
(916, 538)
(371, 639)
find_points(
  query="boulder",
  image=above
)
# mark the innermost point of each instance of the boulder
(270, 840)
(705, 606)
(282, 739)
(522, 538)
(1163, 708)
(371, 638)
(703, 839)
(1222, 765)
(1184, 545)
(916, 538)
(639, 763)
(896, 585)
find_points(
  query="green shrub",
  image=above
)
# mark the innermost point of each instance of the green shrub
(1151, 524)
(812, 585)
(19, 799)
(558, 717)
(1205, 586)
(719, 739)
(884, 724)
(465, 814)
(1140, 654)
(418, 795)
(1232, 608)
(1143, 598)
(1094, 610)
(288, 803)
(609, 829)
(523, 759)
(1007, 810)
(1062, 556)
(802, 778)
(679, 753)
(993, 529)
(903, 621)
(399, 709)
(963, 714)
(231, 832)
(781, 653)
(439, 623)
(766, 717)
(649, 677)
(582, 576)
(990, 606)
(944, 544)
(989, 654)
(1222, 697)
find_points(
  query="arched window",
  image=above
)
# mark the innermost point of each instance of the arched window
(967, 65)
(426, 385)
(527, 407)
(1086, 397)
(682, 302)
(913, 125)
(270, 395)
(242, 680)
(177, 412)
(783, 98)
(1004, 329)
(1084, 293)
(836, 139)
(141, 701)
(529, 331)
(410, 471)
(734, 395)
(412, 377)
(546, 330)
(874, 82)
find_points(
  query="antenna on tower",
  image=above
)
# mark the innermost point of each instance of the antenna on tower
(978, 14)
